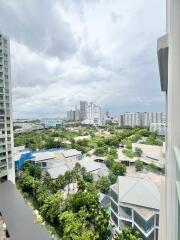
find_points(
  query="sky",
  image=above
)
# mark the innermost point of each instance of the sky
(64, 51)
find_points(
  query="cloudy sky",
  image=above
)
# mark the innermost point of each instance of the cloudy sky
(63, 51)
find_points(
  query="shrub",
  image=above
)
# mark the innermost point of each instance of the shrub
(139, 165)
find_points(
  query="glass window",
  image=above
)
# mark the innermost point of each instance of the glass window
(124, 224)
(114, 207)
(44, 164)
(157, 219)
(114, 196)
(125, 212)
(157, 232)
(146, 226)
(114, 218)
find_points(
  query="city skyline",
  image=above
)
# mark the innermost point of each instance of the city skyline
(73, 55)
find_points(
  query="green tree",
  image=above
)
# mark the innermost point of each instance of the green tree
(103, 185)
(129, 234)
(51, 208)
(68, 178)
(101, 151)
(119, 169)
(60, 182)
(74, 226)
(100, 220)
(139, 165)
(138, 152)
(112, 177)
(110, 161)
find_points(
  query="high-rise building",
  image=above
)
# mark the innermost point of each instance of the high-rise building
(6, 126)
(132, 119)
(142, 119)
(169, 68)
(83, 110)
(121, 120)
(94, 114)
(71, 115)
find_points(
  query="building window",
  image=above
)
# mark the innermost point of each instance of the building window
(114, 218)
(44, 164)
(157, 219)
(146, 226)
(114, 196)
(125, 212)
(124, 224)
(114, 207)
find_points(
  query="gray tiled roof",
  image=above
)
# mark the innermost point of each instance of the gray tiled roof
(71, 153)
(137, 191)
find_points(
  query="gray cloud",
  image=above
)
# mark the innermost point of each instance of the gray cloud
(102, 51)
(37, 24)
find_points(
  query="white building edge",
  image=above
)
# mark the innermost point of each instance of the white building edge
(169, 66)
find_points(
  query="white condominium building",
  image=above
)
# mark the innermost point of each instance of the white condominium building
(132, 119)
(71, 115)
(169, 67)
(152, 117)
(141, 119)
(159, 128)
(6, 126)
(94, 114)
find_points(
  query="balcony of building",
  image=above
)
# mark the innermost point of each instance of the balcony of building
(3, 171)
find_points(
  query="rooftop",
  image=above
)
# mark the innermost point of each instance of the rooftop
(71, 153)
(138, 192)
(18, 217)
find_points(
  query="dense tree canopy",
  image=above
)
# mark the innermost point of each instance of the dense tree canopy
(129, 234)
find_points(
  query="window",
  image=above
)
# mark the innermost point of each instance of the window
(44, 164)
(124, 224)
(114, 218)
(157, 219)
(114, 196)
(146, 226)
(114, 207)
(157, 232)
(125, 212)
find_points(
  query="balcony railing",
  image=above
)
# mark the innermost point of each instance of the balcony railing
(3, 172)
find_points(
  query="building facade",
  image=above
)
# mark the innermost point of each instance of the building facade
(6, 126)
(143, 119)
(135, 203)
(159, 128)
(48, 123)
(94, 114)
(168, 48)
(83, 110)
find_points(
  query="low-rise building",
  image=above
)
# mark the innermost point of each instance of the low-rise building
(49, 123)
(52, 158)
(135, 203)
(25, 125)
(151, 153)
(20, 156)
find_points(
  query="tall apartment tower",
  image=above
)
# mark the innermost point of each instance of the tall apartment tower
(169, 67)
(83, 110)
(6, 126)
